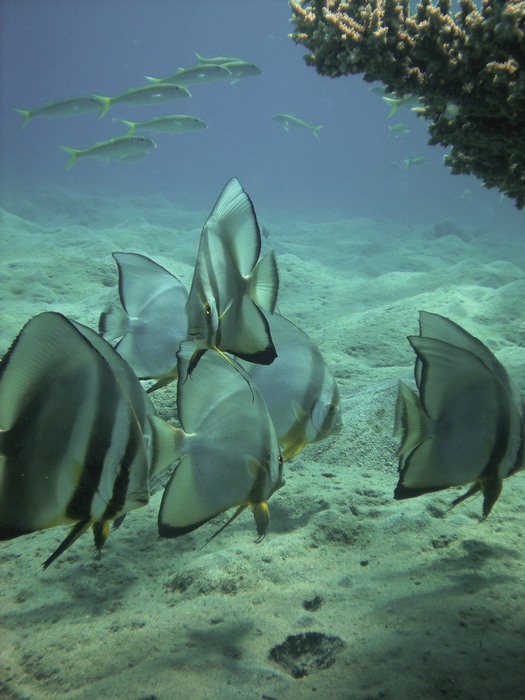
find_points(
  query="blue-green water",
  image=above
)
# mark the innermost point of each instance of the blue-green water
(62, 48)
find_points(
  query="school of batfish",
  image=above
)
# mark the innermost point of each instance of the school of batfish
(80, 440)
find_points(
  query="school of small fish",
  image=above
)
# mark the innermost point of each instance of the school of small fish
(131, 148)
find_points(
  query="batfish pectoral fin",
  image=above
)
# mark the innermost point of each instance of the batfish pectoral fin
(76, 531)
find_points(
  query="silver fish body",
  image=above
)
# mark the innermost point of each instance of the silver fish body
(124, 149)
(195, 75)
(300, 391)
(288, 121)
(241, 69)
(67, 107)
(466, 425)
(230, 454)
(161, 92)
(231, 287)
(170, 124)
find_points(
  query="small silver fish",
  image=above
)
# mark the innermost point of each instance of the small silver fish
(288, 121)
(301, 393)
(68, 107)
(157, 94)
(151, 323)
(125, 149)
(195, 75)
(170, 124)
(466, 425)
(411, 162)
(79, 438)
(399, 129)
(230, 454)
(231, 287)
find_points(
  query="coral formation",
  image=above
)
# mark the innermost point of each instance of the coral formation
(467, 69)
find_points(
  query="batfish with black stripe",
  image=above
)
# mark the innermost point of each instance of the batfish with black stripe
(231, 288)
(466, 424)
(79, 437)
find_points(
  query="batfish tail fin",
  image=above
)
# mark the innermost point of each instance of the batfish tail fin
(113, 323)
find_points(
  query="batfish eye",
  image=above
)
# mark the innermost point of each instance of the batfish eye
(331, 408)
(207, 309)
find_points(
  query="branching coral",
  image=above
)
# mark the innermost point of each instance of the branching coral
(467, 68)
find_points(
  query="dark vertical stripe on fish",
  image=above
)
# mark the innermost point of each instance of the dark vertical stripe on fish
(107, 397)
(120, 487)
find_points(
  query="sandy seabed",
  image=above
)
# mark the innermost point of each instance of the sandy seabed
(427, 603)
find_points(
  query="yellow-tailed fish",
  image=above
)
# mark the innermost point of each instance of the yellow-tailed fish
(415, 161)
(68, 107)
(399, 129)
(160, 93)
(395, 102)
(230, 454)
(466, 425)
(301, 393)
(195, 75)
(288, 121)
(230, 285)
(124, 149)
(170, 124)
(79, 438)
(151, 323)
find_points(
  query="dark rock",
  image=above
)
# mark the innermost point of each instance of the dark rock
(303, 654)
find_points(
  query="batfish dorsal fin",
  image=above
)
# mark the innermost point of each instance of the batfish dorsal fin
(234, 221)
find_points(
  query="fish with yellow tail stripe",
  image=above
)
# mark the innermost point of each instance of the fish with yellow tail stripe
(230, 454)
(288, 121)
(79, 438)
(466, 425)
(300, 391)
(151, 322)
(68, 107)
(124, 149)
(231, 287)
